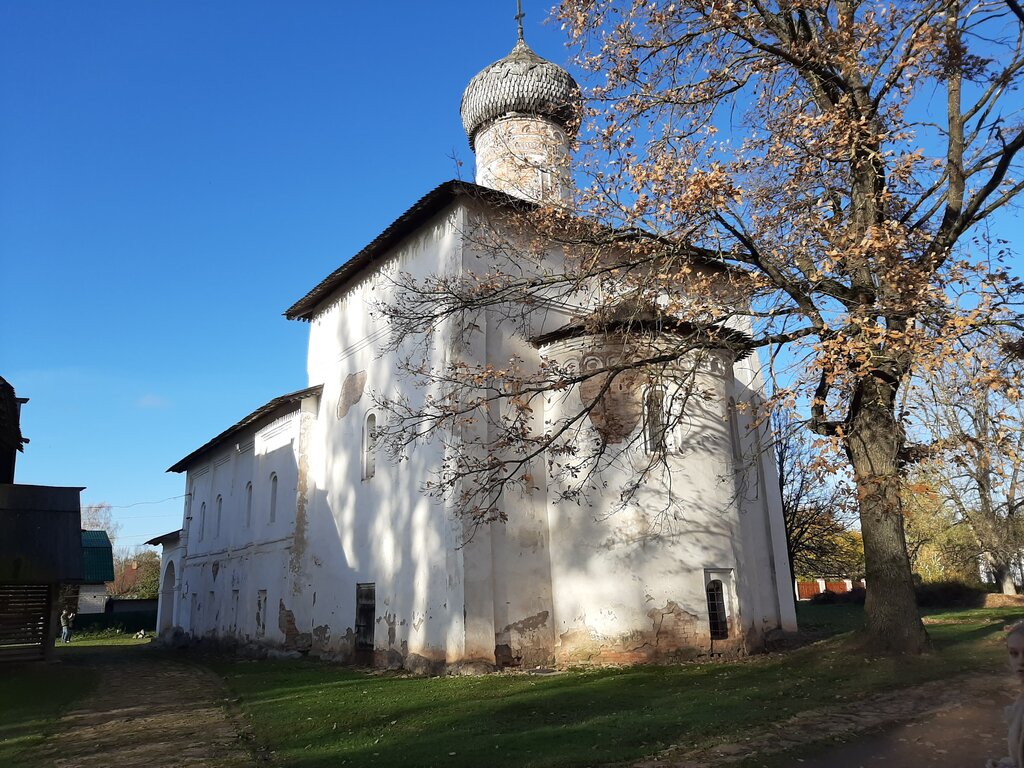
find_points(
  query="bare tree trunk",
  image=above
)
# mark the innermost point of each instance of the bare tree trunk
(1004, 578)
(873, 444)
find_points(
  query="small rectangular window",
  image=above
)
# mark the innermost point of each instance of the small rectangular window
(366, 609)
(273, 497)
(261, 613)
(370, 446)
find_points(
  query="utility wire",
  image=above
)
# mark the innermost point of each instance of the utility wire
(137, 503)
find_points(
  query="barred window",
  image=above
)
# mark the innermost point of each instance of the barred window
(717, 617)
(370, 446)
(248, 505)
(273, 496)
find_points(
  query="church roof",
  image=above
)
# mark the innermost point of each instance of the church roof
(626, 320)
(422, 209)
(523, 83)
(427, 206)
(264, 413)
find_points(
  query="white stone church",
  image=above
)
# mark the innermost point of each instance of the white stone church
(299, 534)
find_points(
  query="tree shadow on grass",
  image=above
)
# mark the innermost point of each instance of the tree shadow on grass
(517, 720)
(32, 698)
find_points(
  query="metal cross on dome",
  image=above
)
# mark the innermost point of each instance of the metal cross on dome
(519, 18)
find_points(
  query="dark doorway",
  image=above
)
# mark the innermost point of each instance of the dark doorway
(366, 612)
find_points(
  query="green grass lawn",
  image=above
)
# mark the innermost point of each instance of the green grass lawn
(309, 714)
(32, 697)
(99, 639)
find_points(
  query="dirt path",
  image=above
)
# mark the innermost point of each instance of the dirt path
(944, 724)
(148, 710)
(963, 736)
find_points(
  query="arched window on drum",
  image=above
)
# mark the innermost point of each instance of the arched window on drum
(655, 420)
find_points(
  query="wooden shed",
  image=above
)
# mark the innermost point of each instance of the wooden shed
(40, 548)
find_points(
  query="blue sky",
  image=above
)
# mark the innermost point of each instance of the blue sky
(173, 176)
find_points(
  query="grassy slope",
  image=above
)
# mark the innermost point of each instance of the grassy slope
(311, 714)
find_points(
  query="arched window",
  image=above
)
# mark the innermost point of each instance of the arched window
(220, 510)
(369, 446)
(654, 420)
(717, 618)
(248, 505)
(202, 519)
(273, 496)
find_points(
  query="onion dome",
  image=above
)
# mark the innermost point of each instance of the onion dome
(521, 83)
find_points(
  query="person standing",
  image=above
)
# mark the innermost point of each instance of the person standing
(67, 619)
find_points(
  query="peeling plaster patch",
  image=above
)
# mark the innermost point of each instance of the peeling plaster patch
(674, 627)
(351, 392)
(675, 634)
(286, 623)
(390, 618)
(417, 623)
(536, 621)
(317, 561)
(346, 645)
(215, 569)
(293, 639)
(321, 638)
(525, 642)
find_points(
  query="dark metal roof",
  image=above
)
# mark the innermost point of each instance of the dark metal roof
(426, 206)
(40, 534)
(521, 83)
(97, 558)
(631, 318)
(264, 413)
(165, 538)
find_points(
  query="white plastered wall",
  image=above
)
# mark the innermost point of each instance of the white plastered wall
(384, 529)
(224, 566)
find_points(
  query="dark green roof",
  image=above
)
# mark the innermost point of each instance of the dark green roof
(97, 558)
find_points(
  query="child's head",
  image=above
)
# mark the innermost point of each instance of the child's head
(1015, 649)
